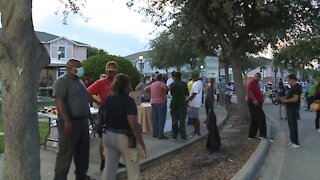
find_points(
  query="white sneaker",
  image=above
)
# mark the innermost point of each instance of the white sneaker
(318, 130)
(289, 144)
(293, 145)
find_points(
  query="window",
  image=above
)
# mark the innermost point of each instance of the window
(61, 53)
(61, 71)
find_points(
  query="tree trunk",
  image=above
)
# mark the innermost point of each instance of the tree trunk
(22, 57)
(240, 88)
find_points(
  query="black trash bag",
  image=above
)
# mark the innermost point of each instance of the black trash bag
(213, 140)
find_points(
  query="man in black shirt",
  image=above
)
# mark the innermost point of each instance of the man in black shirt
(293, 103)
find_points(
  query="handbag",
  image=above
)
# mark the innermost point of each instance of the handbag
(315, 106)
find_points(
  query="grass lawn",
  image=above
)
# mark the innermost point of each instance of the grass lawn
(43, 127)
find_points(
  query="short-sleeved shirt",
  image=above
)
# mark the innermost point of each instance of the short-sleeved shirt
(294, 90)
(312, 90)
(117, 107)
(101, 87)
(158, 92)
(169, 82)
(196, 89)
(254, 87)
(142, 87)
(307, 87)
(229, 90)
(74, 95)
(190, 84)
(221, 87)
(179, 91)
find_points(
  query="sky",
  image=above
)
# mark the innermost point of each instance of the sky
(112, 26)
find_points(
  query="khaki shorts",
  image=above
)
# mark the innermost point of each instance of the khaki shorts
(194, 112)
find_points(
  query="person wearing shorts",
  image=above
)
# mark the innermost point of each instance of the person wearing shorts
(195, 101)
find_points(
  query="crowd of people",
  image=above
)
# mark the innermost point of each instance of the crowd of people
(117, 126)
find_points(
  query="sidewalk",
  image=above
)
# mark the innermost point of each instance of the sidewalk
(155, 149)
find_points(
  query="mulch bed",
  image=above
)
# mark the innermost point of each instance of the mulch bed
(193, 162)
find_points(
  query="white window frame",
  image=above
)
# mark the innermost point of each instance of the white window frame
(61, 43)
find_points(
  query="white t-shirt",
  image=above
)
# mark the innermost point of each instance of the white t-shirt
(229, 90)
(197, 100)
(169, 82)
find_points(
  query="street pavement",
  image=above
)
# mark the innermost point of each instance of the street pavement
(155, 149)
(292, 164)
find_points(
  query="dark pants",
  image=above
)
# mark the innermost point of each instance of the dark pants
(309, 102)
(74, 145)
(317, 119)
(257, 121)
(228, 101)
(100, 122)
(293, 124)
(178, 115)
(159, 114)
(207, 102)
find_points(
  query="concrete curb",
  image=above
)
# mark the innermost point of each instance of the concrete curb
(255, 162)
(123, 173)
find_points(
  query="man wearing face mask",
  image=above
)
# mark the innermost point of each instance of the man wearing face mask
(72, 102)
(102, 88)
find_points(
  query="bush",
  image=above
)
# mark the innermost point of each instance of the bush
(95, 65)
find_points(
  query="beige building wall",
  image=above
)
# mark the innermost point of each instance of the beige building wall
(80, 53)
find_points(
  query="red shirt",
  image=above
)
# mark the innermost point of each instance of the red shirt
(102, 88)
(254, 87)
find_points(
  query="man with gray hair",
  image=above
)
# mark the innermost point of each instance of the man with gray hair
(72, 102)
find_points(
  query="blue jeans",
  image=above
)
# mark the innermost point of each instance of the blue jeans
(159, 114)
(293, 124)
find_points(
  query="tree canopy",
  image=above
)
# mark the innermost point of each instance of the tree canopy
(238, 27)
(95, 65)
(300, 55)
(92, 51)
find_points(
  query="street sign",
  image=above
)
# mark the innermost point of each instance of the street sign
(212, 66)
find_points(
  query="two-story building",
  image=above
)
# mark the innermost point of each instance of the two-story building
(60, 49)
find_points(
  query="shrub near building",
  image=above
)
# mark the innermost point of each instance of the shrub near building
(95, 65)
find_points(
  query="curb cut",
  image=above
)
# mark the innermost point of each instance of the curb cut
(123, 173)
(250, 169)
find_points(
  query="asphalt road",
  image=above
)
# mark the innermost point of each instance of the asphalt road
(292, 164)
